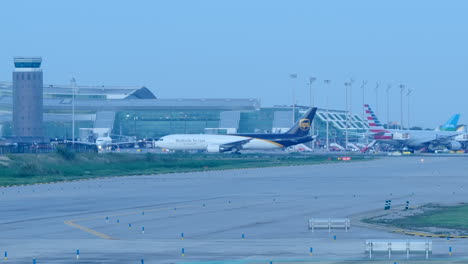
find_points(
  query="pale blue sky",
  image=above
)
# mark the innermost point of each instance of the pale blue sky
(217, 48)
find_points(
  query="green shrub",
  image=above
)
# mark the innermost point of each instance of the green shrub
(34, 168)
(65, 153)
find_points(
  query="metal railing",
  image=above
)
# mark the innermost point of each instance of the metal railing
(330, 223)
(399, 246)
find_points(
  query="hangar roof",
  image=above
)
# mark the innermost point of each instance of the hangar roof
(96, 92)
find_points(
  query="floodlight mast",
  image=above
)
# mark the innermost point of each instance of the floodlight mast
(402, 89)
(311, 103)
(73, 86)
(387, 91)
(293, 76)
(311, 95)
(408, 94)
(347, 85)
(376, 89)
(350, 110)
(363, 87)
(327, 138)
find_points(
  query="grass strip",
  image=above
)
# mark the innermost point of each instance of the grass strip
(62, 166)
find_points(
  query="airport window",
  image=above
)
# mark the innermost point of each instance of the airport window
(29, 76)
(22, 76)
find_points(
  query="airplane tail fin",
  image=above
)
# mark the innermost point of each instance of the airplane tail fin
(451, 124)
(372, 120)
(302, 126)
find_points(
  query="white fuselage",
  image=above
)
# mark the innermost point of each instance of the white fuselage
(103, 141)
(420, 138)
(203, 142)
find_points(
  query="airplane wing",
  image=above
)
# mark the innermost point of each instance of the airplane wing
(115, 144)
(122, 143)
(79, 142)
(444, 139)
(235, 144)
(439, 139)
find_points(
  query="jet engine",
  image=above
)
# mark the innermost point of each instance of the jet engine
(214, 148)
(454, 145)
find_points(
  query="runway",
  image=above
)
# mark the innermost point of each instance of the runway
(248, 215)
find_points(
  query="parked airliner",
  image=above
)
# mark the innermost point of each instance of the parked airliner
(414, 139)
(298, 134)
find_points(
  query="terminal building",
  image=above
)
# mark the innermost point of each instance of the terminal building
(136, 111)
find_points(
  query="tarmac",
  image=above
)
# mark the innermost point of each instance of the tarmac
(232, 216)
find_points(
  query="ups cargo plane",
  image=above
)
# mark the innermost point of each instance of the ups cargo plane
(298, 134)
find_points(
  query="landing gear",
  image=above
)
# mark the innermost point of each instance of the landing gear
(236, 151)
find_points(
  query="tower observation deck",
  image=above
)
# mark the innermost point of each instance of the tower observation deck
(28, 99)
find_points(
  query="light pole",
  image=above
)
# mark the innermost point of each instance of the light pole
(311, 97)
(347, 85)
(350, 110)
(389, 86)
(408, 93)
(73, 84)
(327, 138)
(402, 89)
(293, 77)
(363, 87)
(311, 103)
(376, 89)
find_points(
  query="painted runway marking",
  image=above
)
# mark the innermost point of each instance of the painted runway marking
(89, 230)
(73, 223)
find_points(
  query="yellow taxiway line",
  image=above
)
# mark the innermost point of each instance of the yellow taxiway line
(422, 234)
(73, 223)
(89, 230)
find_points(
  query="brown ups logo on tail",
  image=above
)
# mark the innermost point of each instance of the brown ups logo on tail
(304, 124)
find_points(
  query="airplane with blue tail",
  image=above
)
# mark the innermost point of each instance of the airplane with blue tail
(451, 124)
(416, 139)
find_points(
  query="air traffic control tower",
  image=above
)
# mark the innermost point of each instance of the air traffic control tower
(27, 99)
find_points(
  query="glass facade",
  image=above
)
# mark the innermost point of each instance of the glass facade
(158, 123)
(27, 64)
(155, 124)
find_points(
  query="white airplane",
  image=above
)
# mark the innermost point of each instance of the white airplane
(413, 139)
(298, 134)
(103, 142)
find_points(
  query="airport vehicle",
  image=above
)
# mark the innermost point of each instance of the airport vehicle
(299, 133)
(413, 139)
